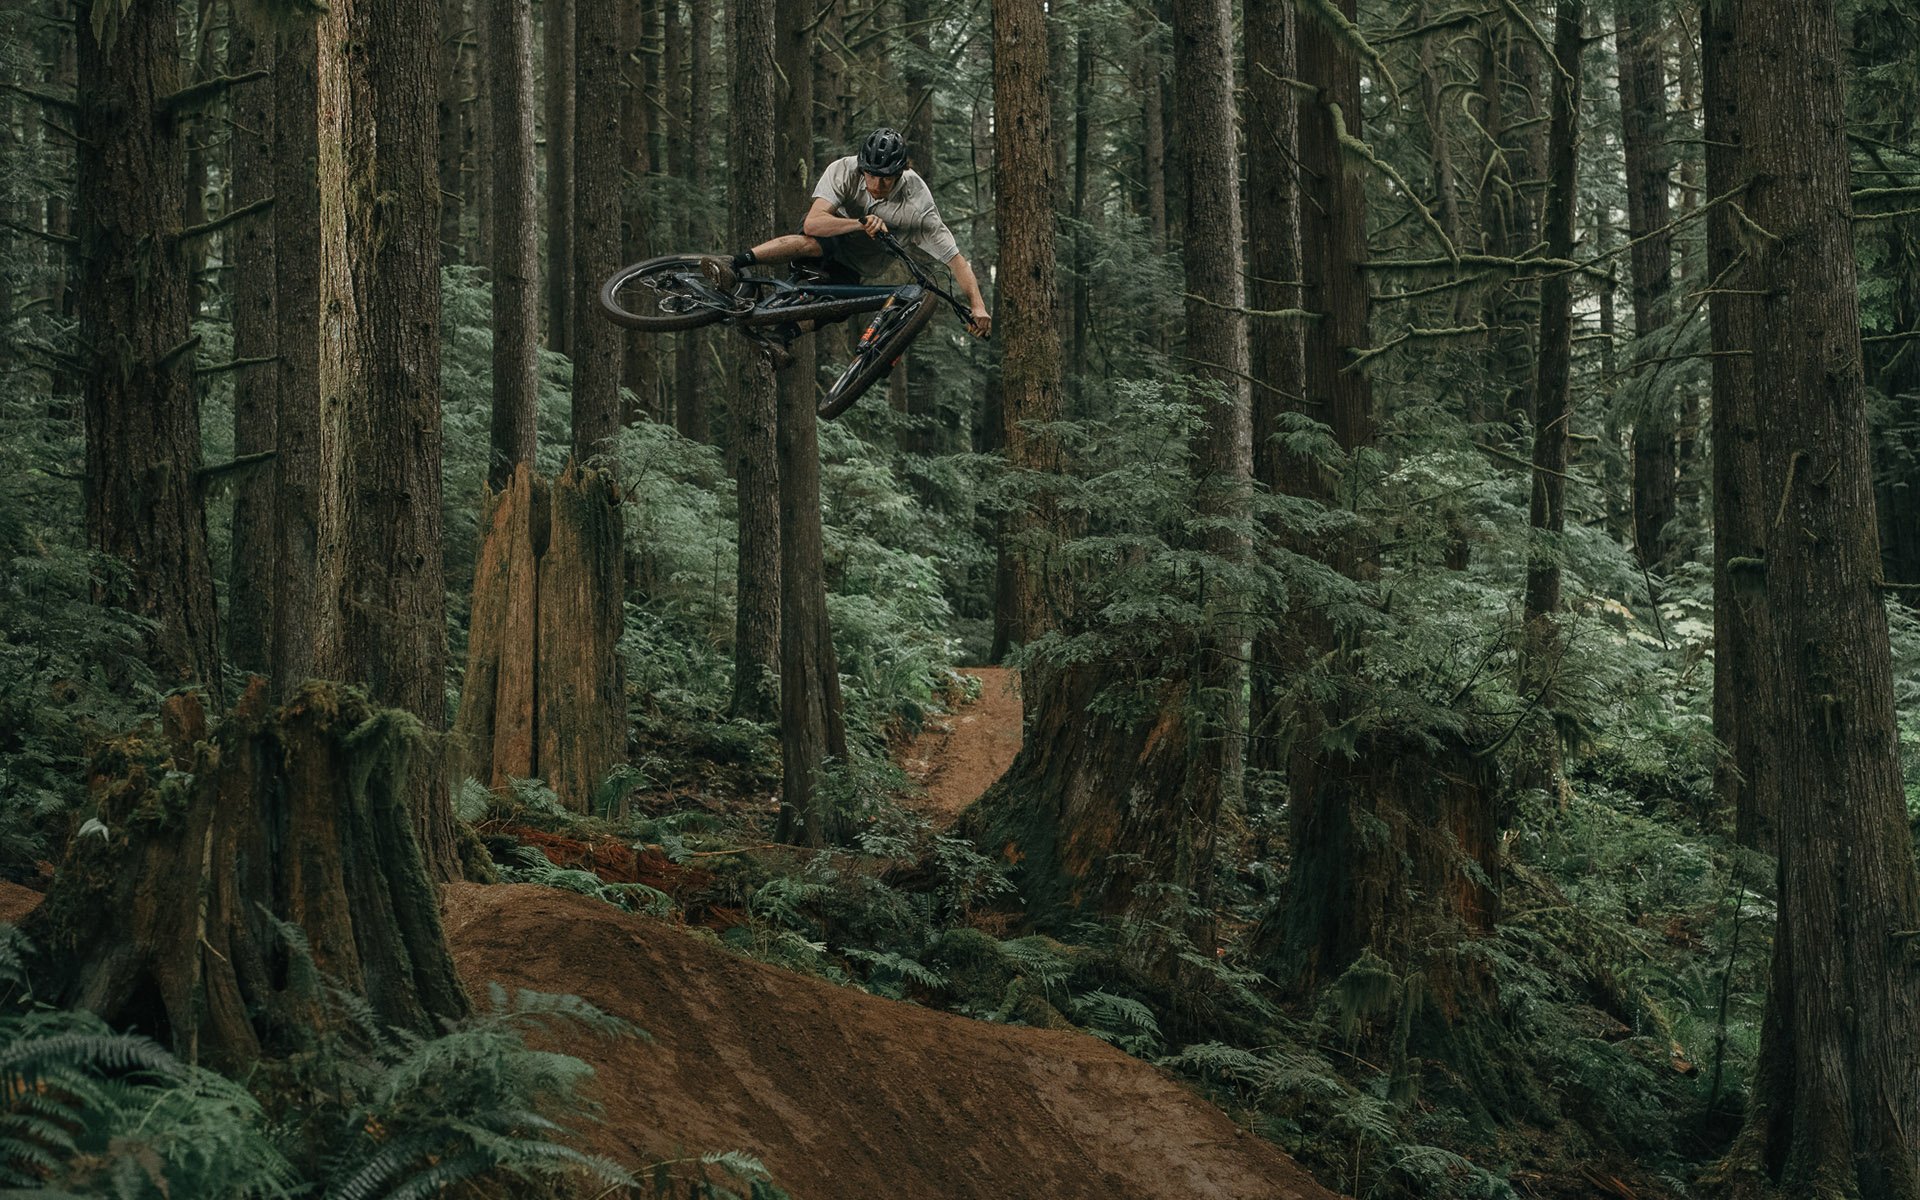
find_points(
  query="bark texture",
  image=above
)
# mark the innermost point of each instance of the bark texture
(1028, 301)
(544, 695)
(217, 833)
(755, 449)
(557, 104)
(1643, 120)
(1836, 1102)
(811, 729)
(1217, 343)
(318, 340)
(250, 573)
(515, 241)
(598, 184)
(1553, 413)
(1744, 775)
(1277, 364)
(143, 503)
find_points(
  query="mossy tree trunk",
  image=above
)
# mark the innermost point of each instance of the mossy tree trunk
(392, 598)
(143, 498)
(216, 833)
(1836, 1099)
(1393, 833)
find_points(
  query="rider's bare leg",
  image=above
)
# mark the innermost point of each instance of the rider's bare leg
(786, 248)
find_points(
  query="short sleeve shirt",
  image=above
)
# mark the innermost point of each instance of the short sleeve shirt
(908, 212)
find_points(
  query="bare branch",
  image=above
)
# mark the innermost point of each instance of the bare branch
(225, 219)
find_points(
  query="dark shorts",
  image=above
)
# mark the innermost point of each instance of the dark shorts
(832, 261)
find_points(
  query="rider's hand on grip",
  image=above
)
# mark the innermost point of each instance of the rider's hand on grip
(873, 225)
(980, 324)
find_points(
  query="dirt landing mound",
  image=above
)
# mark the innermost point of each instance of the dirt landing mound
(846, 1096)
(958, 757)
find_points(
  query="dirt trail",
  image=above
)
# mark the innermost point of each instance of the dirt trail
(845, 1095)
(958, 756)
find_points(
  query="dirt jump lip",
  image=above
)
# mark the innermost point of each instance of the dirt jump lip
(845, 1095)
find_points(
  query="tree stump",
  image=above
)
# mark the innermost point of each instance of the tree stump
(169, 920)
(545, 695)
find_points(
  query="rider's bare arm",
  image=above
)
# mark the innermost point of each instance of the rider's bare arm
(982, 322)
(821, 222)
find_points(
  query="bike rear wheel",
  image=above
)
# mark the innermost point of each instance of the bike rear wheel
(893, 330)
(662, 295)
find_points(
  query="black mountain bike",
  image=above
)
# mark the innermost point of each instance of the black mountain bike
(663, 295)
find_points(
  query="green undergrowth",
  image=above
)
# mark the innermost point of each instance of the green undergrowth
(356, 1112)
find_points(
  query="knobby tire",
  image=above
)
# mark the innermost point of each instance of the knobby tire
(634, 275)
(876, 360)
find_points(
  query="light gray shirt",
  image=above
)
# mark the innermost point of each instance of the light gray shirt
(908, 212)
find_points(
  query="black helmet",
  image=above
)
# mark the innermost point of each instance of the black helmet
(883, 153)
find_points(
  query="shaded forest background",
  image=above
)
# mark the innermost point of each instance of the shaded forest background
(1445, 473)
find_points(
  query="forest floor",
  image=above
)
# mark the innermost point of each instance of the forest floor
(959, 756)
(842, 1094)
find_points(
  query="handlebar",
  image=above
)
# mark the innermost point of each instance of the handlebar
(920, 276)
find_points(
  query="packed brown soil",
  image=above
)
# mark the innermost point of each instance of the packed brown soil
(845, 1095)
(16, 902)
(957, 757)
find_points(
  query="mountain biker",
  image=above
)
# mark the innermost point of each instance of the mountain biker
(870, 193)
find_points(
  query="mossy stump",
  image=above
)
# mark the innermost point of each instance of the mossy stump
(215, 841)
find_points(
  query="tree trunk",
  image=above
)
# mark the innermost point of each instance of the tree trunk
(1278, 364)
(453, 117)
(557, 49)
(1333, 235)
(690, 410)
(171, 928)
(1540, 752)
(641, 353)
(197, 131)
(811, 728)
(478, 171)
(1077, 212)
(515, 241)
(1507, 219)
(1836, 1101)
(252, 566)
(756, 640)
(143, 495)
(1028, 298)
(1217, 344)
(1643, 120)
(1744, 778)
(598, 181)
(393, 637)
(317, 337)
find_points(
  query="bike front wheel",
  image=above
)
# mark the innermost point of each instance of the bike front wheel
(662, 295)
(887, 338)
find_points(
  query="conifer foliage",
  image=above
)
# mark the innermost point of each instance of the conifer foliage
(1473, 732)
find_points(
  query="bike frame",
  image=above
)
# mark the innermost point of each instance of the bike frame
(837, 299)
